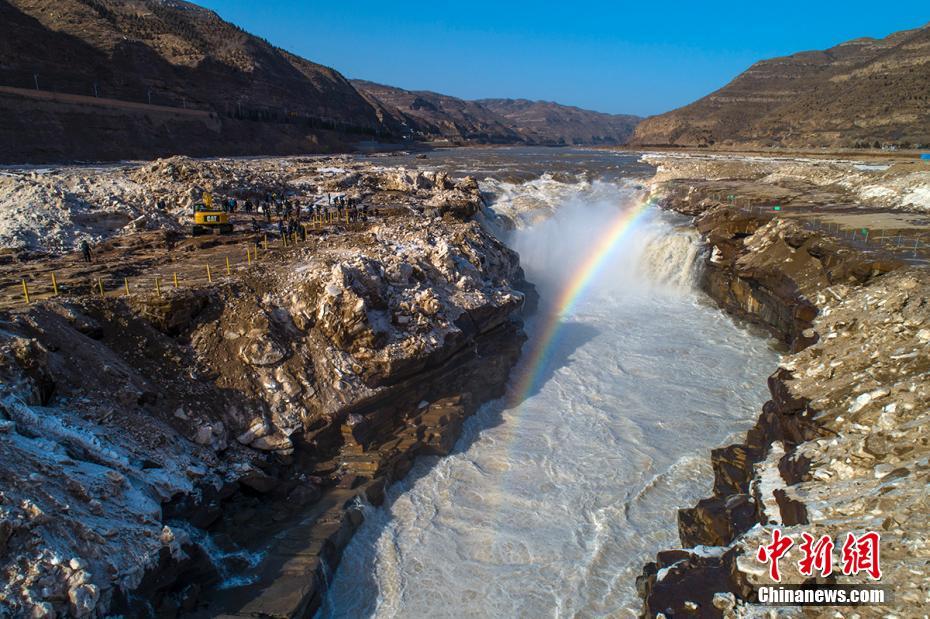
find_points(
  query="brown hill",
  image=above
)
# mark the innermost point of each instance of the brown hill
(429, 115)
(862, 92)
(545, 122)
(165, 53)
(134, 79)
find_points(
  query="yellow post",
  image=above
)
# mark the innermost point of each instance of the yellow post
(248, 255)
(100, 286)
(157, 285)
(266, 242)
(295, 238)
(347, 217)
(126, 284)
(228, 270)
(26, 291)
(54, 284)
(284, 240)
(209, 275)
(175, 280)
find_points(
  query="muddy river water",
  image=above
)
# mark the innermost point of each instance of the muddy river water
(557, 494)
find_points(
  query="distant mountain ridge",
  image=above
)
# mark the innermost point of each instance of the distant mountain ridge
(117, 79)
(865, 92)
(546, 122)
(430, 115)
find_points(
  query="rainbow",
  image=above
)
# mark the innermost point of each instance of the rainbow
(550, 326)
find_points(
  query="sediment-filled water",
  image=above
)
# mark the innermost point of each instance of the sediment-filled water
(553, 500)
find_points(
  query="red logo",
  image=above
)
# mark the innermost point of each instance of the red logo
(817, 555)
(859, 554)
(773, 552)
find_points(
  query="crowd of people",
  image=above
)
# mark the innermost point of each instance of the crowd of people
(289, 213)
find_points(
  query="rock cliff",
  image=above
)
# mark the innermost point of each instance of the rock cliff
(837, 449)
(153, 444)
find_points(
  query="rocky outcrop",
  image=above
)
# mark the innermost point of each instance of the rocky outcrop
(768, 270)
(52, 211)
(152, 444)
(833, 451)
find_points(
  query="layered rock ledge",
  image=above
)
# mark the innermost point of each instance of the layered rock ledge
(841, 447)
(159, 448)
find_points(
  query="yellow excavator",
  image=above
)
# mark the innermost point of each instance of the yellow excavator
(209, 219)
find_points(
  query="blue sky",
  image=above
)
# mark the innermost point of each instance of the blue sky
(620, 57)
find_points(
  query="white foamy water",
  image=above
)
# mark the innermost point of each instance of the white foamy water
(550, 507)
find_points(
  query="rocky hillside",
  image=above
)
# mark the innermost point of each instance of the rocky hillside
(545, 122)
(107, 79)
(167, 53)
(864, 92)
(137, 79)
(841, 446)
(431, 116)
(222, 412)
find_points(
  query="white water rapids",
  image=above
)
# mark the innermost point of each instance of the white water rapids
(550, 508)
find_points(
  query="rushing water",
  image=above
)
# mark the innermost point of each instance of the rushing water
(552, 502)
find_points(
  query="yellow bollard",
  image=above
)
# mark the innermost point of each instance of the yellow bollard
(100, 286)
(209, 275)
(347, 217)
(284, 240)
(175, 280)
(266, 242)
(228, 270)
(54, 285)
(126, 284)
(157, 285)
(248, 255)
(26, 291)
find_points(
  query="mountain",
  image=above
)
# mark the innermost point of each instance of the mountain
(428, 115)
(864, 92)
(136, 79)
(156, 77)
(544, 122)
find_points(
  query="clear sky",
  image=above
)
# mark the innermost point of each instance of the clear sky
(620, 57)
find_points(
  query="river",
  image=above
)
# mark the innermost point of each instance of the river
(557, 494)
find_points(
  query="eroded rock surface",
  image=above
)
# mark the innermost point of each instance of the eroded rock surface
(839, 448)
(151, 444)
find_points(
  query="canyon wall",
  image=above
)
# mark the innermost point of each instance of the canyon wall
(841, 447)
(157, 444)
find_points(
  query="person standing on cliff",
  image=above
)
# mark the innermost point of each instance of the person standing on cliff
(85, 251)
